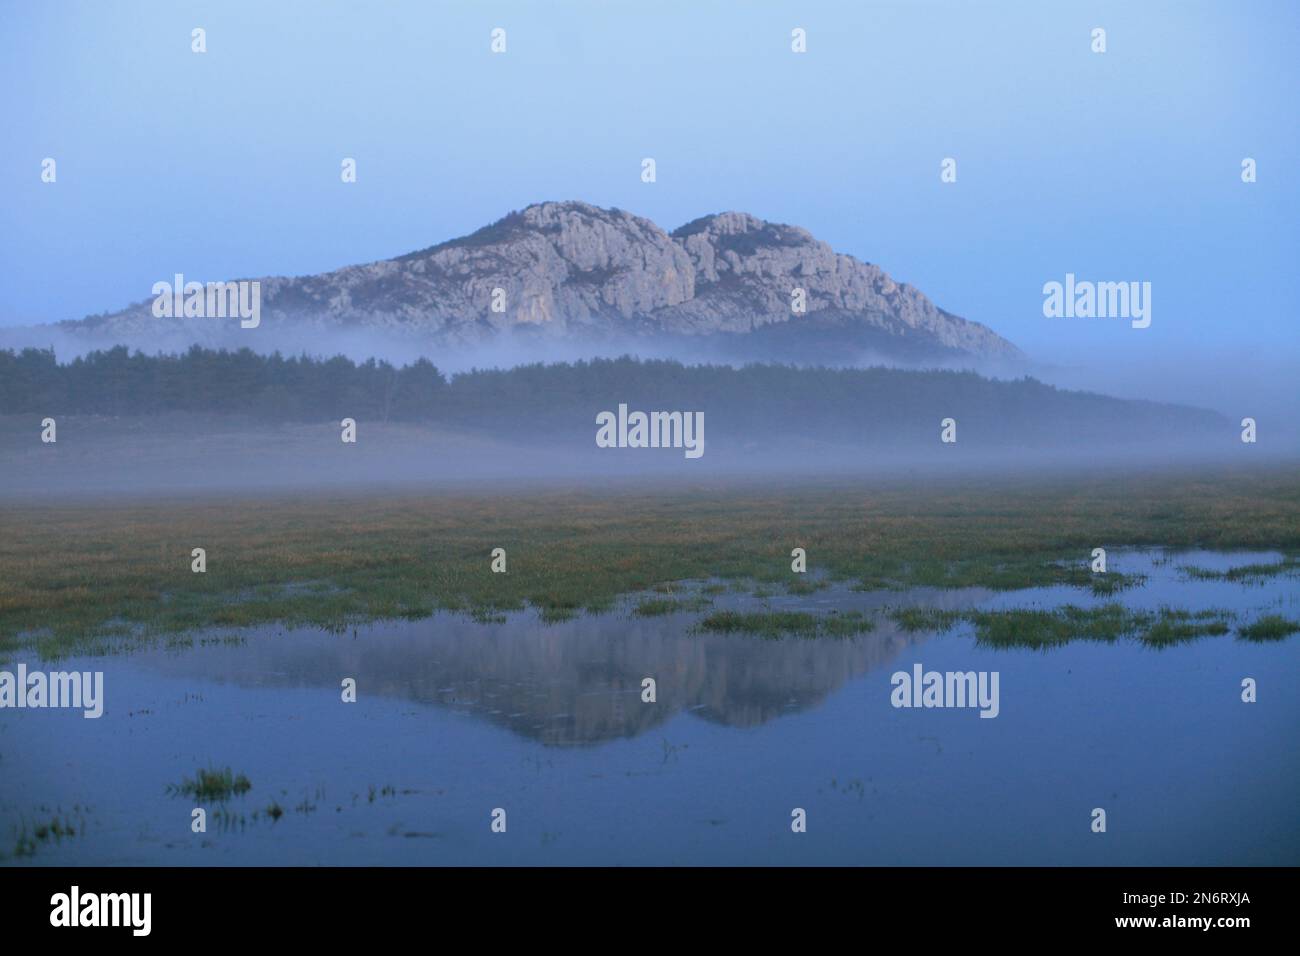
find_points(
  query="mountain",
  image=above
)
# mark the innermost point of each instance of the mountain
(719, 286)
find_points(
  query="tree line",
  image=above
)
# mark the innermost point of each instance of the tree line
(833, 403)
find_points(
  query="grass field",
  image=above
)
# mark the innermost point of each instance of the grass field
(1039, 629)
(73, 573)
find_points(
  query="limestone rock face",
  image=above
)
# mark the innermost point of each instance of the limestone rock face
(570, 269)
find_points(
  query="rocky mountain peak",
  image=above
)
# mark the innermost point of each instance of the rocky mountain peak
(574, 269)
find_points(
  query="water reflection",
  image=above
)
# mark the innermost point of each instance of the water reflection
(455, 718)
(578, 682)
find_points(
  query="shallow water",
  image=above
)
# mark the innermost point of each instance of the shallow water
(456, 718)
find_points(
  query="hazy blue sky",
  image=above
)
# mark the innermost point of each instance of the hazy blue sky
(1115, 166)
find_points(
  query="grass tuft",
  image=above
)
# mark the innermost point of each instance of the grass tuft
(1270, 627)
(777, 624)
(212, 784)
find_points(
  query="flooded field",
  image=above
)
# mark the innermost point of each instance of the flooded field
(455, 718)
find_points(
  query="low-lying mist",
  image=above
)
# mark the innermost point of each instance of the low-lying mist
(215, 420)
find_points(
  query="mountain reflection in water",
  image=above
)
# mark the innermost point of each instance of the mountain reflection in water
(572, 683)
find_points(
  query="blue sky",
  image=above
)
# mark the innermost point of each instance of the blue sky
(1115, 166)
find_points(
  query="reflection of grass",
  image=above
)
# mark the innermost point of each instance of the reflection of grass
(212, 784)
(74, 572)
(1044, 628)
(1270, 627)
(29, 839)
(773, 624)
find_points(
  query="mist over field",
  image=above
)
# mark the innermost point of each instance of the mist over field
(215, 420)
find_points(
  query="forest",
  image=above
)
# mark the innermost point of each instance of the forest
(537, 399)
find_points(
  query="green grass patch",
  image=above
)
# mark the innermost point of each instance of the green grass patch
(1113, 582)
(801, 586)
(777, 624)
(1039, 629)
(1244, 574)
(1270, 627)
(915, 619)
(212, 784)
(85, 577)
(658, 607)
(1176, 626)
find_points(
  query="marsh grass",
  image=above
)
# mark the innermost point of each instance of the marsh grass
(778, 624)
(1178, 626)
(1113, 582)
(1040, 629)
(1270, 627)
(83, 577)
(1244, 574)
(806, 587)
(212, 784)
(915, 619)
(657, 607)
(30, 837)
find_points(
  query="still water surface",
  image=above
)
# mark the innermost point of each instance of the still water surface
(456, 718)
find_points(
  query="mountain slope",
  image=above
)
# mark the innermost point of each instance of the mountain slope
(572, 271)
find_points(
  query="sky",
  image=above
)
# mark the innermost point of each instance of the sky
(1115, 166)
